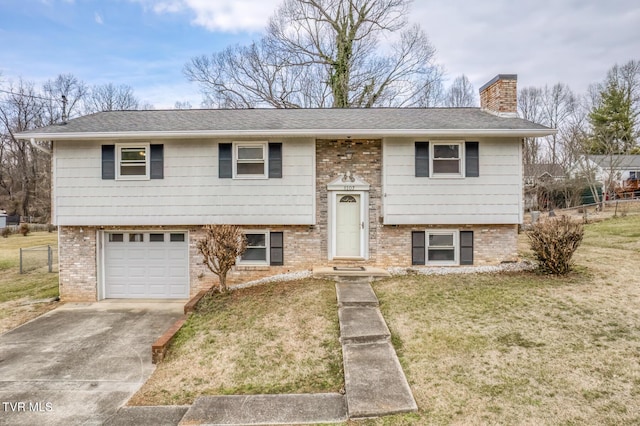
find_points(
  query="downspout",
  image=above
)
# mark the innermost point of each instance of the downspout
(38, 147)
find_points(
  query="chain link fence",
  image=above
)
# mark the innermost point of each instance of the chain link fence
(42, 258)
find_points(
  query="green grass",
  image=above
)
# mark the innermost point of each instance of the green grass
(38, 284)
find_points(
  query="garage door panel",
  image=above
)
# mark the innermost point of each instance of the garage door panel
(146, 266)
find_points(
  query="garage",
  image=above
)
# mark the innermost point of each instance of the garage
(146, 265)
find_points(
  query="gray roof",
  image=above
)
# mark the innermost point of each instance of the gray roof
(350, 122)
(617, 161)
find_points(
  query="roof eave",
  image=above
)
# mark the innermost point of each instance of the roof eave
(333, 133)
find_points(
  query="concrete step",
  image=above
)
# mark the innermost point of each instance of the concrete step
(362, 324)
(349, 273)
(267, 409)
(374, 381)
(355, 294)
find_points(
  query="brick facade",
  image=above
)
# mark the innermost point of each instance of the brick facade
(304, 246)
(77, 264)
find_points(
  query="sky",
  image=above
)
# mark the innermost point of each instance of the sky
(146, 43)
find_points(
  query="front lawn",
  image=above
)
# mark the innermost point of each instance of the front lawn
(523, 348)
(275, 338)
(512, 348)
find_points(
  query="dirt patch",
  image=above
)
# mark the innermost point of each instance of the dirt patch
(16, 312)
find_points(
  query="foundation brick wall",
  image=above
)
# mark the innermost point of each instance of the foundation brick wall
(77, 263)
(492, 244)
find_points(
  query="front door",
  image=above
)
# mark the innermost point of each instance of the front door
(348, 226)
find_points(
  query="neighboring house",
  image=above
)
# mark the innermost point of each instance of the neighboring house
(536, 178)
(535, 174)
(614, 172)
(310, 187)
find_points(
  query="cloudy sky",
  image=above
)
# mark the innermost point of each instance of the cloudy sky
(145, 43)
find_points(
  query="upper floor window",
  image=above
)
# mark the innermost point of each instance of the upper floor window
(250, 160)
(133, 161)
(447, 159)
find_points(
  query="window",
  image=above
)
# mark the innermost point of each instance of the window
(156, 238)
(132, 161)
(441, 247)
(176, 238)
(256, 248)
(446, 159)
(250, 160)
(116, 238)
(136, 238)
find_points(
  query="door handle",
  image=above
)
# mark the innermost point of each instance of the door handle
(362, 225)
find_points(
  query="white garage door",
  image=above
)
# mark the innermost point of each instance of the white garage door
(146, 265)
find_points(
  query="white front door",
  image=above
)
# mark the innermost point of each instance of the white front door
(348, 226)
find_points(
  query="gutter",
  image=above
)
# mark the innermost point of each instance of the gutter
(265, 133)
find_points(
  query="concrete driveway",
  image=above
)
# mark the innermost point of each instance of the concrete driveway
(79, 363)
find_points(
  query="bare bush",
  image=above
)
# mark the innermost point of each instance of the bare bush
(554, 242)
(220, 247)
(24, 229)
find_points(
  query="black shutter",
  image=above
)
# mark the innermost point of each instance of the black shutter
(157, 162)
(472, 159)
(276, 254)
(466, 247)
(422, 159)
(108, 162)
(225, 162)
(275, 160)
(417, 247)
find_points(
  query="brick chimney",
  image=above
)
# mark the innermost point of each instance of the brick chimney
(500, 96)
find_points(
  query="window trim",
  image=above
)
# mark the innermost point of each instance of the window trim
(147, 164)
(265, 159)
(455, 233)
(266, 261)
(461, 158)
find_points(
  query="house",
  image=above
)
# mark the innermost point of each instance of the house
(536, 178)
(616, 173)
(131, 191)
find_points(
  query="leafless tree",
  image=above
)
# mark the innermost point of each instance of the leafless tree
(182, 105)
(66, 95)
(220, 247)
(22, 166)
(461, 93)
(109, 97)
(530, 108)
(324, 53)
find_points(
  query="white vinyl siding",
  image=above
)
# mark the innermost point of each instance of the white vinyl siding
(494, 197)
(190, 193)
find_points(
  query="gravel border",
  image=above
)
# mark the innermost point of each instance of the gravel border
(398, 271)
(444, 270)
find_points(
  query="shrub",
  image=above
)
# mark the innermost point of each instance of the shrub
(553, 243)
(6, 232)
(24, 229)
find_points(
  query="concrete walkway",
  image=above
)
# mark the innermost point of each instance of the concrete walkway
(374, 381)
